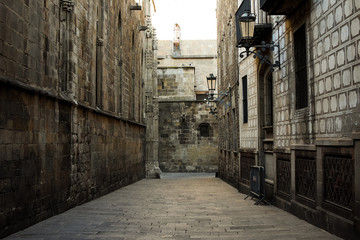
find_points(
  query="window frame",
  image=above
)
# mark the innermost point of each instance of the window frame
(300, 68)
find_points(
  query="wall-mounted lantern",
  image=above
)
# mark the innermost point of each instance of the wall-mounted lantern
(250, 34)
(212, 101)
(247, 24)
(211, 82)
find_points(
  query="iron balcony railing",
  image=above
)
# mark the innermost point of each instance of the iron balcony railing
(262, 23)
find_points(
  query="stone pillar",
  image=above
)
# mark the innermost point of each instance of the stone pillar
(293, 183)
(151, 109)
(66, 40)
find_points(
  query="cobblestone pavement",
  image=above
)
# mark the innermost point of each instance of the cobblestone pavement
(174, 207)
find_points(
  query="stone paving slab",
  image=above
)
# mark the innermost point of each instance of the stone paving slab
(174, 208)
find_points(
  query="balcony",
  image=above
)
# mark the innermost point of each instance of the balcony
(279, 7)
(263, 25)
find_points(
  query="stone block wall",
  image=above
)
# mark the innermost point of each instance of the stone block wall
(310, 151)
(188, 133)
(176, 83)
(332, 33)
(228, 82)
(71, 105)
(322, 136)
(189, 47)
(183, 146)
(55, 155)
(335, 57)
(200, 54)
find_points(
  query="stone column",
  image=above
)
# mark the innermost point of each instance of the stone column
(151, 109)
(67, 70)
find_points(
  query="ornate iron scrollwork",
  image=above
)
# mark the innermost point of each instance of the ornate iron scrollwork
(258, 53)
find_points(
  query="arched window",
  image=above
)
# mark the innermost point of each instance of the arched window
(204, 129)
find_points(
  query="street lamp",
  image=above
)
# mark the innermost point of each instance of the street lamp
(248, 38)
(247, 24)
(211, 82)
(211, 100)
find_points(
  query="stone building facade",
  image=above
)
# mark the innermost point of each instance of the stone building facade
(188, 134)
(228, 82)
(300, 122)
(72, 101)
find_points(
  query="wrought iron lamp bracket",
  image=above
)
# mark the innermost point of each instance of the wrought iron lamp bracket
(217, 100)
(258, 53)
(220, 95)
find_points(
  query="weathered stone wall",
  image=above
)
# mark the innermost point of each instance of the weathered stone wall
(304, 149)
(189, 47)
(200, 54)
(55, 155)
(71, 107)
(176, 83)
(322, 134)
(181, 146)
(188, 132)
(333, 63)
(228, 81)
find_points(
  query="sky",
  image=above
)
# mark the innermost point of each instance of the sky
(197, 19)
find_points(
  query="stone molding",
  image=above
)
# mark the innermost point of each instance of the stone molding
(306, 147)
(356, 135)
(60, 96)
(341, 142)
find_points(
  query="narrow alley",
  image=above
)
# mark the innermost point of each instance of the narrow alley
(111, 109)
(195, 207)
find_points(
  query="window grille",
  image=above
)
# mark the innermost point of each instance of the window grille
(339, 181)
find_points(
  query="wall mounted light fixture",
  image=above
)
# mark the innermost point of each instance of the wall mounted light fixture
(214, 98)
(246, 27)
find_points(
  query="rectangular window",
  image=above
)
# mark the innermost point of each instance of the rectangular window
(300, 68)
(234, 130)
(229, 131)
(245, 99)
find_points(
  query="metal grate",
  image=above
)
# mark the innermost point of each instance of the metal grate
(283, 172)
(339, 180)
(305, 177)
(247, 160)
